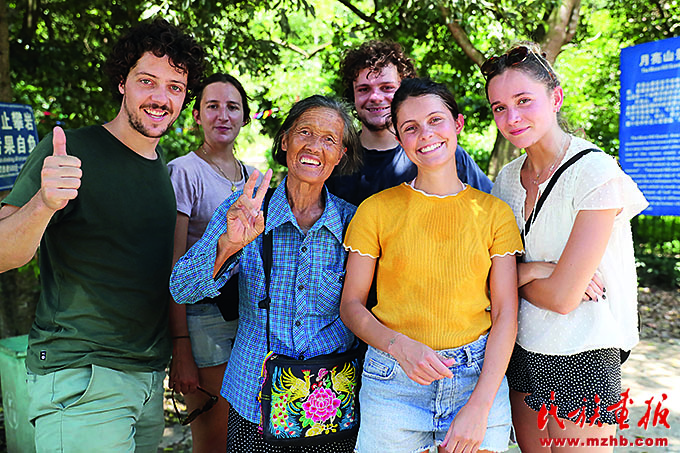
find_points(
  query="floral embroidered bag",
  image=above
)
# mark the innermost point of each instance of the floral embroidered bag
(307, 402)
(310, 402)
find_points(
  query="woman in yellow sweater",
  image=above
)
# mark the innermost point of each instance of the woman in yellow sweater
(447, 294)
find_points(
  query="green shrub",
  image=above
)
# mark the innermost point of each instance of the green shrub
(657, 250)
(658, 270)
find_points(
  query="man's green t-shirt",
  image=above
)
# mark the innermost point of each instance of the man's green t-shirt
(105, 259)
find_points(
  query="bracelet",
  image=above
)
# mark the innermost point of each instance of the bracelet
(177, 337)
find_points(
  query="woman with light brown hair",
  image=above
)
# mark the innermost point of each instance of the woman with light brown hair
(577, 284)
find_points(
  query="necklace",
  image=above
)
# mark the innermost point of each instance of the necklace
(219, 169)
(552, 167)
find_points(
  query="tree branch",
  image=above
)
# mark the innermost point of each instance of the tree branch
(319, 49)
(363, 16)
(461, 37)
(562, 25)
(300, 50)
(290, 46)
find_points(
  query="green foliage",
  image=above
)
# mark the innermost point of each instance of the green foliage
(657, 250)
(658, 270)
(644, 20)
(31, 268)
(72, 40)
(285, 50)
(591, 102)
(290, 49)
(590, 64)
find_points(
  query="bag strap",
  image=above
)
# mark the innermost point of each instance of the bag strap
(551, 184)
(267, 247)
(267, 259)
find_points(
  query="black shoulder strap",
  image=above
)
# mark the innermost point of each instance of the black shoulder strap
(267, 243)
(551, 184)
(267, 253)
(267, 258)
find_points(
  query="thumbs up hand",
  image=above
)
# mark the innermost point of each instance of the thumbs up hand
(60, 175)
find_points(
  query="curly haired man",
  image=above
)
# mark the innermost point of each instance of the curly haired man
(371, 74)
(99, 202)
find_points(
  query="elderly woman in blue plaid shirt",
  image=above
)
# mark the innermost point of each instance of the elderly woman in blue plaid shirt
(307, 224)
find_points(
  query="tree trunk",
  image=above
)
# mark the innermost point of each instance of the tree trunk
(503, 152)
(19, 293)
(561, 25)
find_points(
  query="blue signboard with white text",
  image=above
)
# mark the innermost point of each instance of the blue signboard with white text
(18, 137)
(649, 128)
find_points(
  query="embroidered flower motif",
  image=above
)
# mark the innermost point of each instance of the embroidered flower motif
(321, 405)
(322, 372)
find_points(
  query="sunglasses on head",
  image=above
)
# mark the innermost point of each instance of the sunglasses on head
(513, 57)
(196, 412)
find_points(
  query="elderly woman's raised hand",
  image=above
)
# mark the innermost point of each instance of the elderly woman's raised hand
(245, 220)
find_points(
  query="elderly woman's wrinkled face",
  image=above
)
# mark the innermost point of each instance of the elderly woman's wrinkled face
(313, 145)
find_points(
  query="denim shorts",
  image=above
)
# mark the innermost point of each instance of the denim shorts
(410, 417)
(211, 336)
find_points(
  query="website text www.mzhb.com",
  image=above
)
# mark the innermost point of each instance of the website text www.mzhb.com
(611, 441)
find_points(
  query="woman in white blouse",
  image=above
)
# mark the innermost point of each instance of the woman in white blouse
(578, 307)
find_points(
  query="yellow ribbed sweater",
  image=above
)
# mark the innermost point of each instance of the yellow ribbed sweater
(434, 255)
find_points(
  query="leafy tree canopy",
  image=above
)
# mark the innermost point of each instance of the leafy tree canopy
(288, 49)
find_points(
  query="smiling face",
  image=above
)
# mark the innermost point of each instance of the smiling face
(153, 94)
(313, 145)
(373, 93)
(428, 131)
(525, 111)
(221, 113)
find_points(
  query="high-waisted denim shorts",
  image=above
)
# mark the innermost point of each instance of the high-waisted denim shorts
(211, 336)
(400, 415)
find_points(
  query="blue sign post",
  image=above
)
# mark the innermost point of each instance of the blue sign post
(18, 137)
(649, 128)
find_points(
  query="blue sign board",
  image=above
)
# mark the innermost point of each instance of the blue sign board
(649, 128)
(18, 137)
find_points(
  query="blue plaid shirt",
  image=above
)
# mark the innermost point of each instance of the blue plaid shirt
(306, 284)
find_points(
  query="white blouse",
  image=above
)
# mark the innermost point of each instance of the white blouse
(594, 182)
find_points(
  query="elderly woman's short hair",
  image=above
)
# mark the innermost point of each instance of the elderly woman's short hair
(350, 138)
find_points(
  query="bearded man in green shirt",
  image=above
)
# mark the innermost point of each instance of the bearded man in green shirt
(99, 203)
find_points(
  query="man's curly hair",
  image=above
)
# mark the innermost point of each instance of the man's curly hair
(160, 38)
(375, 55)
